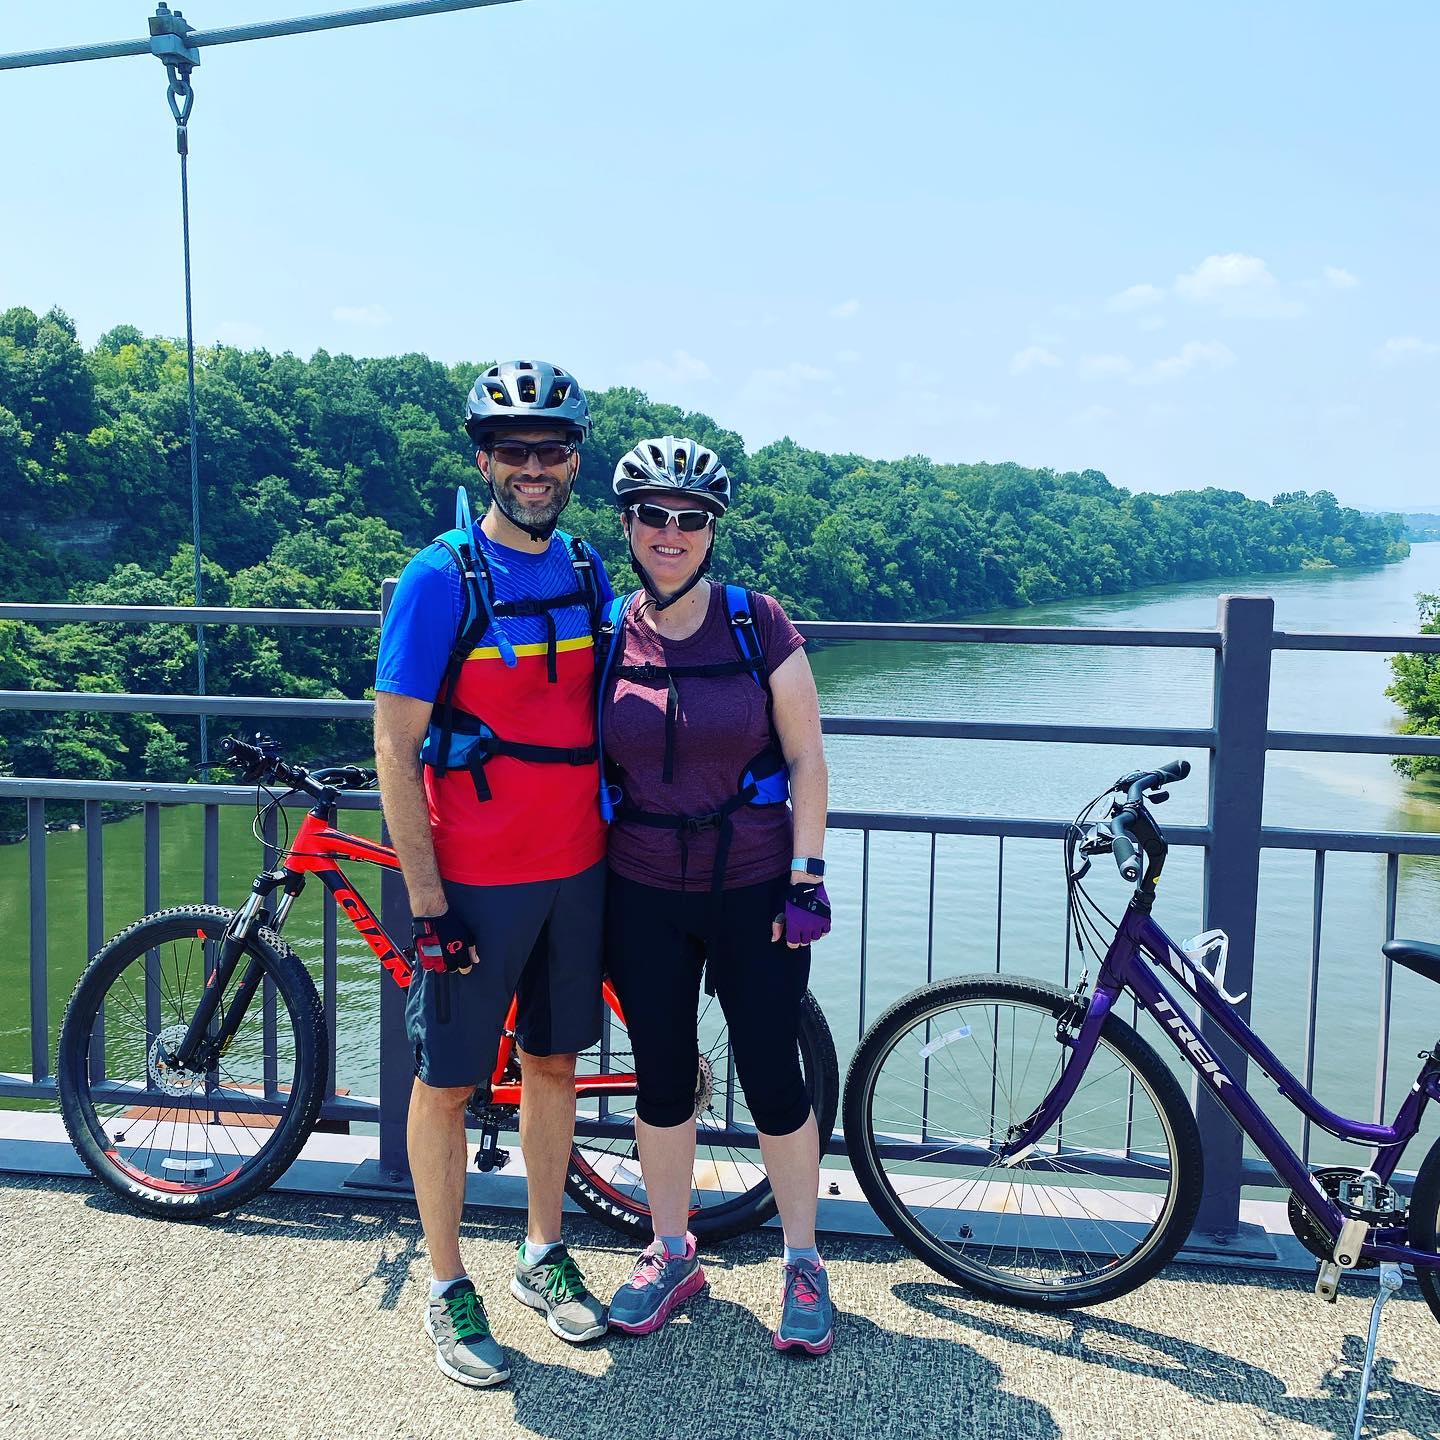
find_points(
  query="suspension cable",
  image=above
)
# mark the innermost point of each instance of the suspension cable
(170, 41)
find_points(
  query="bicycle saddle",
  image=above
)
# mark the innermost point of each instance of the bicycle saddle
(1414, 955)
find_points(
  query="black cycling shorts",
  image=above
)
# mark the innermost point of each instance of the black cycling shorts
(656, 944)
(540, 940)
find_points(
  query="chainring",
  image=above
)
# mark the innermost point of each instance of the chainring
(1307, 1229)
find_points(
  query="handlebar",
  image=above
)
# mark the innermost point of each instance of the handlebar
(261, 761)
(1126, 850)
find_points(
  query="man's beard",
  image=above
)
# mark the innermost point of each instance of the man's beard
(526, 513)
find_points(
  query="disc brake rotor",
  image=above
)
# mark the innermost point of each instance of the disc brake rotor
(166, 1076)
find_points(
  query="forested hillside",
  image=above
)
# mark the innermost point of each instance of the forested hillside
(321, 476)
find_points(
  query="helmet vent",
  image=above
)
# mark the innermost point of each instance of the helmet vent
(557, 396)
(702, 462)
(526, 386)
(523, 365)
(498, 395)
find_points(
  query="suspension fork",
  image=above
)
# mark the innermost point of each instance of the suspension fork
(250, 917)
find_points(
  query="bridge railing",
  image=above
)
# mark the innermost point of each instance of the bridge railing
(1232, 839)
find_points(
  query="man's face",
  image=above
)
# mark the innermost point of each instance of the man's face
(530, 490)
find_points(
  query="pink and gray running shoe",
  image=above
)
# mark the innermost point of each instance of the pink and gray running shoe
(644, 1302)
(807, 1319)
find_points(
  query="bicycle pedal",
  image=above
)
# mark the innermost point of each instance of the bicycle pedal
(1348, 1243)
(1327, 1281)
(491, 1159)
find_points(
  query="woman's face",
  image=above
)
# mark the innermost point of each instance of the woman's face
(670, 555)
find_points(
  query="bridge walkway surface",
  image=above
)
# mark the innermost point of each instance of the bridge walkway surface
(301, 1316)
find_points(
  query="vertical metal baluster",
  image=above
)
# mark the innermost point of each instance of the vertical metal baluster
(1317, 920)
(271, 1030)
(995, 1047)
(864, 925)
(210, 893)
(95, 922)
(39, 941)
(153, 1018)
(1387, 980)
(330, 965)
(929, 977)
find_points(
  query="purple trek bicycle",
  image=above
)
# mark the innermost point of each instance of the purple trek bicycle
(1027, 1143)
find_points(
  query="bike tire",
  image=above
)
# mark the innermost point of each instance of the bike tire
(149, 1140)
(1043, 1233)
(1424, 1225)
(730, 1193)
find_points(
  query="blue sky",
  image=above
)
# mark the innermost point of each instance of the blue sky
(1182, 245)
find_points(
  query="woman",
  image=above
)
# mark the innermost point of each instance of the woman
(707, 700)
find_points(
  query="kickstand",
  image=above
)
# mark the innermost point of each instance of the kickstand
(1390, 1282)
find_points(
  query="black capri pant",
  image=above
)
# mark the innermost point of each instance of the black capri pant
(656, 945)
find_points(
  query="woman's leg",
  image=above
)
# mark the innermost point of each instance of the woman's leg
(655, 967)
(760, 984)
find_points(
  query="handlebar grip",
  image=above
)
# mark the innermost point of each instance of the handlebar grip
(1124, 848)
(1175, 770)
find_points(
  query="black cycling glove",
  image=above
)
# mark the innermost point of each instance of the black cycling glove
(442, 942)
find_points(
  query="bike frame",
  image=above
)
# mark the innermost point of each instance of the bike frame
(1133, 961)
(317, 850)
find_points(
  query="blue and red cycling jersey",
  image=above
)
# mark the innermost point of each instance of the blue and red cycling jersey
(542, 821)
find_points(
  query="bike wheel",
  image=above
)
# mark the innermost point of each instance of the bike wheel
(1424, 1225)
(729, 1193)
(188, 1144)
(1103, 1201)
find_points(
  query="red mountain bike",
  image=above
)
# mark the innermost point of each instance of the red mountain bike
(193, 1052)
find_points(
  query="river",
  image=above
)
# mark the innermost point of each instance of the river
(1025, 932)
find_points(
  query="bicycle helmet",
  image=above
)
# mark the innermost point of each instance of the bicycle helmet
(522, 393)
(685, 468)
(674, 463)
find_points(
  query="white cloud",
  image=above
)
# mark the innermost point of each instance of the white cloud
(1031, 357)
(1405, 350)
(680, 369)
(361, 314)
(1094, 414)
(240, 333)
(1152, 322)
(1203, 354)
(846, 310)
(1137, 297)
(847, 357)
(1104, 367)
(1340, 279)
(794, 375)
(1237, 285)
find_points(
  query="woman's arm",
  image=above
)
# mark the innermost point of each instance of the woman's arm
(795, 708)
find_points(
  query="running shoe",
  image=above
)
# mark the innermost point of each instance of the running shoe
(644, 1302)
(464, 1348)
(557, 1289)
(807, 1319)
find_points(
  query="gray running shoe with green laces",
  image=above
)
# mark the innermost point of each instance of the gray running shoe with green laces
(659, 1283)
(464, 1348)
(557, 1289)
(807, 1319)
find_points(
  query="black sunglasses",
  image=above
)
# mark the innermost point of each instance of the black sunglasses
(517, 453)
(657, 517)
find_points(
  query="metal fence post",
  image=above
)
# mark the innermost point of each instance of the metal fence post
(397, 1070)
(1232, 870)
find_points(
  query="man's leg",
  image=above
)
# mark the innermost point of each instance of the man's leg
(547, 1130)
(435, 1132)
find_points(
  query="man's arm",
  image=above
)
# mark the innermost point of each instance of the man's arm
(400, 722)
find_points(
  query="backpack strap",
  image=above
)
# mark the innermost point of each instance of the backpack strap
(607, 647)
(740, 610)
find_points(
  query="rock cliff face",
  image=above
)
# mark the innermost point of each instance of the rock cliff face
(95, 538)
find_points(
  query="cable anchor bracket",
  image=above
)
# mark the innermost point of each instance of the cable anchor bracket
(169, 31)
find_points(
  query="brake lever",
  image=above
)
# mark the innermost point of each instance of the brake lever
(1158, 797)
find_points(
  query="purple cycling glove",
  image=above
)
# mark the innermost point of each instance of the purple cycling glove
(807, 914)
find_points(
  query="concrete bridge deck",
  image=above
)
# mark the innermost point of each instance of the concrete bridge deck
(300, 1317)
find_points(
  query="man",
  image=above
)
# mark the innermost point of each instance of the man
(502, 853)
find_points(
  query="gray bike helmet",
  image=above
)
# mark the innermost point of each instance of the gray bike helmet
(526, 392)
(674, 463)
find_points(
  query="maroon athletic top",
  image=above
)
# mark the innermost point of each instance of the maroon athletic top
(722, 723)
